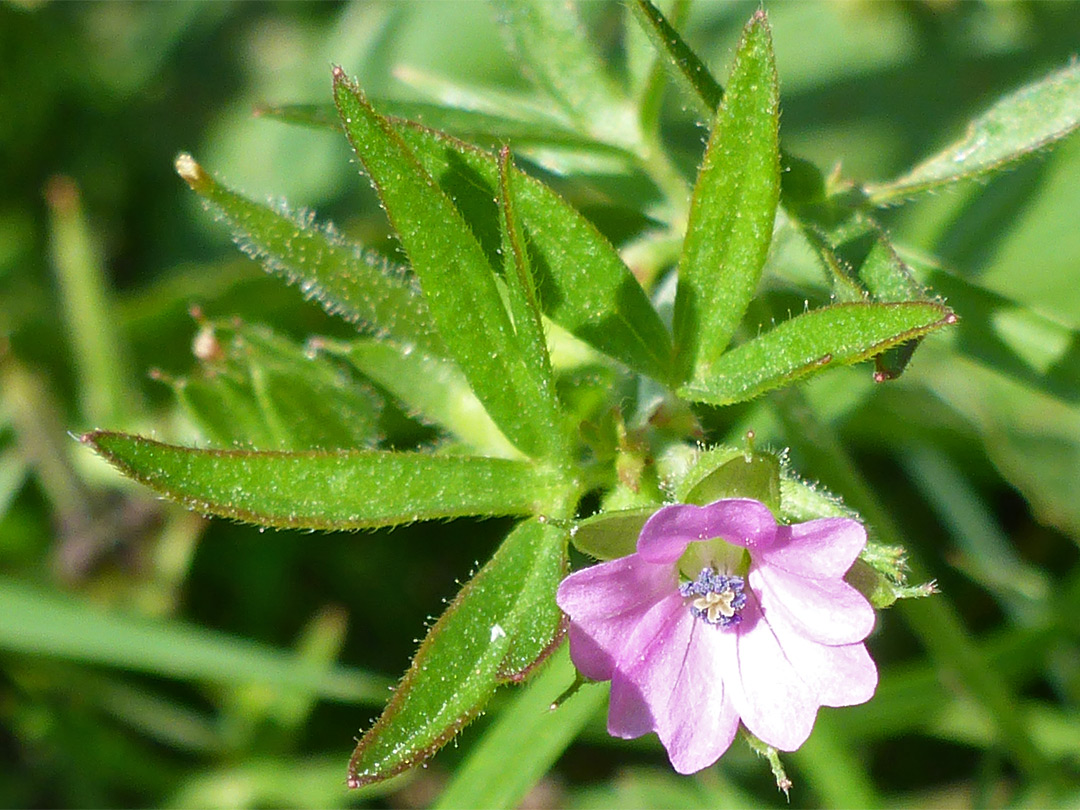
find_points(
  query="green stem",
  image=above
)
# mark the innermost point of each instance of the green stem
(86, 308)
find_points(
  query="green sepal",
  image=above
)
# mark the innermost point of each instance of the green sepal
(610, 535)
(880, 573)
(745, 474)
(499, 627)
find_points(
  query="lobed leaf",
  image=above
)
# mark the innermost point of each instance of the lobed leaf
(863, 265)
(733, 208)
(521, 298)
(346, 489)
(807, 343)
(1031, 118)
(456, 276)
(360, 286)
(582, 283)
(499, 626)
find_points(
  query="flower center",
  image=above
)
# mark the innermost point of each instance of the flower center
(714, 598)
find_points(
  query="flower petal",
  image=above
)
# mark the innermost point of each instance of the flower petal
(821, 549)
(828, 611)
(669, 683)
(839, 676)
(605, 603)
(740, 521)
(775, 703)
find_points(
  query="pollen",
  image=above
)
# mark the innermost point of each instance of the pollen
(715, 598)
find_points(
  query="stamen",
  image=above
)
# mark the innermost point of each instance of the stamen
(716, 598)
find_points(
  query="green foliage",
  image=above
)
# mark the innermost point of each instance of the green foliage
(732, 212)
(1017, 125)
(317, 489)
(501, 624)
(573, 306)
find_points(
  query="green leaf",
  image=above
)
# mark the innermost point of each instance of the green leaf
(684, 64)
(261, 389)
(531, 734)
(430, 388)
(815, 340)
(360, 286)
(479, 127)
(610, 535)
(458, 282)
(347, 489)
(39, 623)
(733, 208)
(558, 56)
(524, 307)
(495, 631)
(1017, 125)
(863, 265)
(582, 284)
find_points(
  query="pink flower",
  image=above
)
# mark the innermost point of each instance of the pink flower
(723, 616)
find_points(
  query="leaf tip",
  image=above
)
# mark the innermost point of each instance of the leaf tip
(190, 171)
(90, 438)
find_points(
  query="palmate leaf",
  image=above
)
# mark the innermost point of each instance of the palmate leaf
(1029, 119)
(347, 489)
(862, 265)
(347, 281)
(583, 284)
(733, 208)
(457, 279)
(811, 342)
(499, 626)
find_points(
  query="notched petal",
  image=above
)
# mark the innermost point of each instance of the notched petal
(824, 548)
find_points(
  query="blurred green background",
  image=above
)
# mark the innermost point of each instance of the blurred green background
(149, 657)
